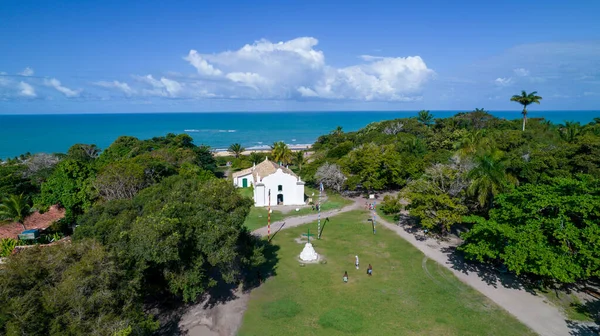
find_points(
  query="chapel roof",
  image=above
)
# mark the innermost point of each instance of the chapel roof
(264, 169)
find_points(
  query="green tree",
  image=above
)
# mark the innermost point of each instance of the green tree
(83, 152)
(256, 157)
(70, 186)
(548, 230)
(236, 149)
(489, 177)
(15, 208)
(185, 235)
(569, 131)
(69, 289)
(338, 131)
(526, 99)
(435, 210)
(299, 159)
(425, 117)
(281, 152)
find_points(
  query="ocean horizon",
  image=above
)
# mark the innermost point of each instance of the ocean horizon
(55, 133)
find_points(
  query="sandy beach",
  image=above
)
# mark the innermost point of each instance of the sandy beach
(294, 148)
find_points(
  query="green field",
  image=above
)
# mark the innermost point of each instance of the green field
(258, 216)
(407, 294)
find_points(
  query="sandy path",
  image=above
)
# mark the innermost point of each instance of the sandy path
(542, 317)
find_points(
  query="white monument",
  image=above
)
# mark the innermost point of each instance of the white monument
(309, 254)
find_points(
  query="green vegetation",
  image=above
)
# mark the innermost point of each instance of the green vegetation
(236, 150)
(281, 153)
(15, 208)
(407, 294)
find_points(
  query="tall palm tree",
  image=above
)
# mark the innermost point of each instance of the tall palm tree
(15, 208)
(299, 159)
(569, 131)
(526, 100)
(425, 117)
(236, 149)
(281, 152)
(489, 176)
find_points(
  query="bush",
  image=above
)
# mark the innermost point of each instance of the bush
(391, 205)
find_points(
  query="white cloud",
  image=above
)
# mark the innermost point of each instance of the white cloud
(172, 87)
(162, 88)
(27, 72)
(590, 93)
(521, 72)
(127, 90)
(295, 69)
(26, 90)
(503, 81)
(201, 64)
(55, 83)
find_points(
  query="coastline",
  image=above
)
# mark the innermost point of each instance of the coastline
(220, 152)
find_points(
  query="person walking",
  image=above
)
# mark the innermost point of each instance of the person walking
(356, 262)
(345, 277)
(370, 270)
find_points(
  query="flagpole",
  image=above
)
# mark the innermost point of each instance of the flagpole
(319, 212)
(269, 218)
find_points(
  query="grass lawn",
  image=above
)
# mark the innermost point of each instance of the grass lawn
(407, 294)
(258, 216)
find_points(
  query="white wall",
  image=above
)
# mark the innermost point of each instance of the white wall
(238, 180)
(293, 194)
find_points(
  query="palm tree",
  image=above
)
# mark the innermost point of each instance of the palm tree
(526, 100)
(15, 208)
(338, 131)
(471, 143)
(425, 117)
(489, 177)
(281, 152)
(479, 110)
(256, 157)
(569, 131)
(299, 159)
(236, 149)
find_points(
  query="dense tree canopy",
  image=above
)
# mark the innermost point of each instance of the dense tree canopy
(187, 233)
(550, 230)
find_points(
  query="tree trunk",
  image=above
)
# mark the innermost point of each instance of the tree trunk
(524, 118)
(23, 225)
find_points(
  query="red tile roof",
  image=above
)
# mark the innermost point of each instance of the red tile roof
(35, 221)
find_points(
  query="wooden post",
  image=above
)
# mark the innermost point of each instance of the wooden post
(269, 218)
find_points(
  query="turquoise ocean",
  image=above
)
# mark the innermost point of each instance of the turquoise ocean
(56, 133)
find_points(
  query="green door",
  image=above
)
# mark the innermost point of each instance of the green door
(244, 183)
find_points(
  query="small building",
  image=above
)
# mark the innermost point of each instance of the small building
(286, 188)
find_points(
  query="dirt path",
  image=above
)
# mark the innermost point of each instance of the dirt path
(291, 222)
(529, 308)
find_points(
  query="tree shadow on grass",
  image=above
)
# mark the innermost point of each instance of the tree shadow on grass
(488, 273)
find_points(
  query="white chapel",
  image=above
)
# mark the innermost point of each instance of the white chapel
(285, 186)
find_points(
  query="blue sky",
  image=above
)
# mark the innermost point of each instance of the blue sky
(134, 56)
